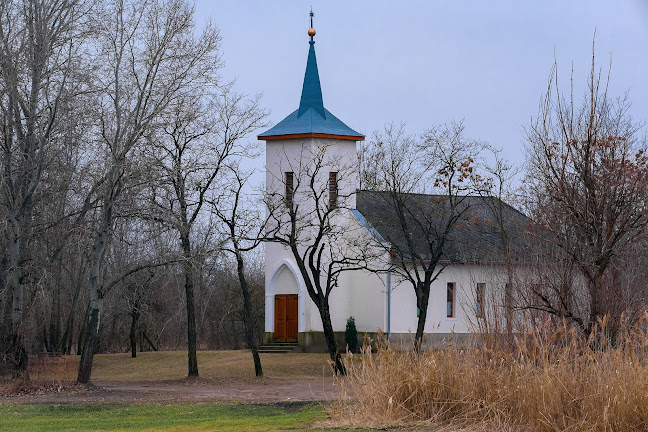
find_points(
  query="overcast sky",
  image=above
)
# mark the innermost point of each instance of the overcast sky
(428, 62)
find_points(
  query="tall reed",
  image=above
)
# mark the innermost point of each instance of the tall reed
(550, 378)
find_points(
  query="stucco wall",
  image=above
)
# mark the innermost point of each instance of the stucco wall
(361, 294)
(281, 271)
(465, 277)
(296, 155)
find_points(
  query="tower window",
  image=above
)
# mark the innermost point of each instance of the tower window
(289, 188)
(479, 300)
(333, 188)
(450, 303)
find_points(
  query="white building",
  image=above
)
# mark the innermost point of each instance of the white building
(311, 143)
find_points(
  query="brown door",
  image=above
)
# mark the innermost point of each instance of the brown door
(286, 313)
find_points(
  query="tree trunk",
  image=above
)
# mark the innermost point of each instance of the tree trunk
(249, 320)
(329, 335)
(508, 304)
(17, 351)
(54, 338)
(89, 342)
(595, 303)
(191, 312)
(420, 326)
(133, 335)
(149, 341)
(96, 296)
(66, 343)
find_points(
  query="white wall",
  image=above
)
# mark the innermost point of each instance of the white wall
(297, 156)
(360, 293)
(465, 277)
(367, 300)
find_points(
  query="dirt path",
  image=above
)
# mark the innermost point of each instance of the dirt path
(178, 391)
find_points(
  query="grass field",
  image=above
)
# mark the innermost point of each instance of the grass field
(215, 367)
(172, 365)
(149, 417)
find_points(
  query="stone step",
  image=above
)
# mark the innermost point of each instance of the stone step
(283, 344)
(266, 351)
(280, 348)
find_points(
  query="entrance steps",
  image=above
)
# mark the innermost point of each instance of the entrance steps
(280, 348)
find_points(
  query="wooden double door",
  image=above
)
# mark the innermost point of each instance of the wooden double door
(286, 312)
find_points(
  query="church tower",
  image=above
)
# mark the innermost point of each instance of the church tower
(310, 143)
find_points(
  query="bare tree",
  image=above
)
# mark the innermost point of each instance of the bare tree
(313, 221)
(244, 226)
(427, 183)
(588, 185)
(147, 53)
(202, 132)
(498, 192)
(35, 51)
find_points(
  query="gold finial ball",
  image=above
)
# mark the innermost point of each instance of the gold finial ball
(311, 32)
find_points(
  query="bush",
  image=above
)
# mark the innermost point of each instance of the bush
(351, 335)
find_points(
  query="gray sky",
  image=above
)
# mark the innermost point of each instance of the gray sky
(431, 62)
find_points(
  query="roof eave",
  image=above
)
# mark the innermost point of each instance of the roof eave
(311, 135)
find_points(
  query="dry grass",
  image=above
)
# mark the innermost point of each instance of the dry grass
(172, 365)
(44, 374)
(52, 369)
(550, 379)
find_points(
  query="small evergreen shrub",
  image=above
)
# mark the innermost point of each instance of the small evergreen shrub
(351, 335)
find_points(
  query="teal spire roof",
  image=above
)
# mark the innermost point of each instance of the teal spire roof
(311, 96)
(311, 118)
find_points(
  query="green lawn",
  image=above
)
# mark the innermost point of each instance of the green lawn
(230, 366)
(150, 417)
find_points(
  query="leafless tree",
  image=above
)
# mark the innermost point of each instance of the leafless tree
(146, 55)
(587, 182)
(498, 192)
(201, 135)
(244, 227)
(428, 182)
(36, 46)
(315, 224)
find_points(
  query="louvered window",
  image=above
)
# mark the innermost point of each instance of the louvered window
(289, 188)
(333, 188)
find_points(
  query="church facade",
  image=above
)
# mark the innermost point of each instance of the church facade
(311, 162)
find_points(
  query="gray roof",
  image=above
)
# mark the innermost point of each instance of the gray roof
(475, 238)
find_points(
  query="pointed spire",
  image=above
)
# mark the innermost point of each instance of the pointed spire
(319, 122)
(311, 96)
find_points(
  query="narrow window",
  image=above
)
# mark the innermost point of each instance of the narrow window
(333, 188)
(289, 189)
(451, 300)
(479, 300)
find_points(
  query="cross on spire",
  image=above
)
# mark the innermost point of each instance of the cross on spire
(311, 91)
(311, 30)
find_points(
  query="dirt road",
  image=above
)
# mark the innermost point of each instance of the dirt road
(178, 391)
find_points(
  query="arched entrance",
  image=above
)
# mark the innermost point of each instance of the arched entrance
(284, 295)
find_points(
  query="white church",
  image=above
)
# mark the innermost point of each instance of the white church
(311, 162)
